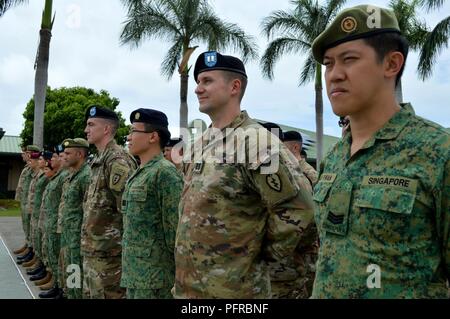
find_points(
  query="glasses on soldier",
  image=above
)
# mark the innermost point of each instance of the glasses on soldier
(132, 131)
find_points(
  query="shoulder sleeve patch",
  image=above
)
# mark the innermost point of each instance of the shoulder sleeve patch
(118, 176)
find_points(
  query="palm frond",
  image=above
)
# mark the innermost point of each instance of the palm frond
(308, 71)
(172, 58)
(431, 4)
(434, 43)
(5, 5)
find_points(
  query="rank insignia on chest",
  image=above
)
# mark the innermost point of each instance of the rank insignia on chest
(198, 168)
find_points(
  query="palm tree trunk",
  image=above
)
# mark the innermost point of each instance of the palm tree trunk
(399, 92)
(183, 100)
(319, 115)
(40, 86)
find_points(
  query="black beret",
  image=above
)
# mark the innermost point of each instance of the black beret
(292, 136)
(96, 111)
(269, 126)
(212, 60)
(174, 141)
(59, 149)
(149, 116)
(46, 155)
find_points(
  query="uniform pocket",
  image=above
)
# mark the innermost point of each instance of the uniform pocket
(392, 200)
(336, 217)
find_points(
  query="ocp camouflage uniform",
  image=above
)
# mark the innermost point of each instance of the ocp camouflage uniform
(309, 171)
(49, 209)
(75, 188)
(36, 234)
(150, 207)
(234, 218)
(101, 236)
(384, 214)
(30, 202)
(22, 196)
(293, 276)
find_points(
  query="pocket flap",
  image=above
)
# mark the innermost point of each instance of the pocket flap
(321, 190)
(389, 199)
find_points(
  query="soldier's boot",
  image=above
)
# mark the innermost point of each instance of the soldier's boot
(31, 263)
(45, 280)
(27, 251)
(20, 250)
(48, 286)
(34, 271)
(54, 293)
(39, 276)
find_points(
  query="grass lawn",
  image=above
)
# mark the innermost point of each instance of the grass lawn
(9, 208)
(12, 212)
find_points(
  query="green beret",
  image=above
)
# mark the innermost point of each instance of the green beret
(354, 23)
(75, 143)
(212, 60)
(32, 148)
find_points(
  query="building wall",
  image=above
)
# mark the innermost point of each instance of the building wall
(16, 165)
(11, 167)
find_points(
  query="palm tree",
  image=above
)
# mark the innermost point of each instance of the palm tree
(185, 24)
(435, 41)
(412, 29)
(294, 31)
(8, 4)
(41, 76)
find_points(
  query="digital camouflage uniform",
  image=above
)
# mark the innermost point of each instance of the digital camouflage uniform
(387, 207)
(309, 171)
(30, 202)
(150, 218)
(36, 234)
(49, 209)
(234, 218)
(292, 277)
(22, 196)
(101, 236)
(75, 188)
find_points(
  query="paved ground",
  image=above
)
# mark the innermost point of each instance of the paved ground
(14, 283)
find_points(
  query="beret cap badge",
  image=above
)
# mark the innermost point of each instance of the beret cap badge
(66, 144)
(93, 111)
(210, 59)
(137, 116)
(349, 24)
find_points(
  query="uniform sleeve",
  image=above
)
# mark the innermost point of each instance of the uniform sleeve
(119, 172)
(170, 185)
(19, 188)
(290, 211)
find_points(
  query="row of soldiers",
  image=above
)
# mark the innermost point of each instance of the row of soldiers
(226, 228)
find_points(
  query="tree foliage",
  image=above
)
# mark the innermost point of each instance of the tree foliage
(64, 115)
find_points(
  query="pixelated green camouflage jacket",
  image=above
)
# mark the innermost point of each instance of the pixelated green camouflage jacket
(234, 219)
(75, 187)
(50, 201)
(150, 218)
(101, 233)
(383, 214)
(41, 183)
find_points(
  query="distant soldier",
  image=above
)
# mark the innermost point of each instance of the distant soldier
(101, 236)
(35, 208)
(294, 142)
(74, 190)
(235, 216)
(22, 194)
(57, 175)
(383, 196)
(177, 159)
(150, 210)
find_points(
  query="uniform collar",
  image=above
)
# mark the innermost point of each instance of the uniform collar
(396, 124)
(154, 160)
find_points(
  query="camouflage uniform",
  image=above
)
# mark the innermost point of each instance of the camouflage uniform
(234, 219)
(101, 235)
(388, 205)
(22, 196)
(75, 187)
(292, 277)
(150, 208)
(36, 234)
(49, 209)
(309, 171)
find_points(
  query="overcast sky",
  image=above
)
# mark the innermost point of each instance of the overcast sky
(85, 51)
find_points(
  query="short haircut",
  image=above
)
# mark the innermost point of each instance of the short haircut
(113, 124)
(230, 76)
(387, 42)
(163, 133)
